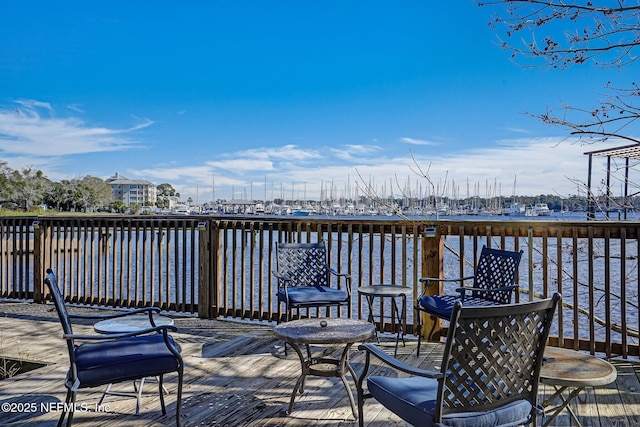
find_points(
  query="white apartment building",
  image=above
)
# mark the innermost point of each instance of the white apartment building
(131, 190)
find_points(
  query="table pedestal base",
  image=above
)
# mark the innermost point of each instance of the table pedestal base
(309, 363)
(565, 404)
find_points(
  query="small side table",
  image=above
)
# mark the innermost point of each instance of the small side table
(393, 292)
(563, 368)
(133, 323)
(324, 331)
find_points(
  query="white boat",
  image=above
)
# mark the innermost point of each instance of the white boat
(442, 209)
(180, 209)
(541, 209)
(516, 209)
(300, 211)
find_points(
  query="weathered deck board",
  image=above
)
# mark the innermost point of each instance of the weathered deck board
(237, 374)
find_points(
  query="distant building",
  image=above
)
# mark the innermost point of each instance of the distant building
(131, 190)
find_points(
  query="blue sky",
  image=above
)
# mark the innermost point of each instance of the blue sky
(271, 98)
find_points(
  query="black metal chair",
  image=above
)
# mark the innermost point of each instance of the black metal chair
(305, 278)
(494, 283)
(114, 358)
(489, 373)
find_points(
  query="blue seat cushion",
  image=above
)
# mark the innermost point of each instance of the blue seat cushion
(438, 305)
(123, 359)
(313, 295)
(442, 305)
(414, 400)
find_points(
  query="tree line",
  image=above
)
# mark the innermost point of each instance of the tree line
(29, 189)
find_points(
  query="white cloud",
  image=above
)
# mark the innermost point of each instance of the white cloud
(518, 130)
(75, 107)
(25, 132)
(288, 152)
(354, 152)
(535, 166)
(194, 174)
(32, 104)
(242, 165)
(32, 136)
(413, 141)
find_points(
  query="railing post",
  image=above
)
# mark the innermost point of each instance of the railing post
(38, 263)
(209, 268)
(204, 270)
(432, 266)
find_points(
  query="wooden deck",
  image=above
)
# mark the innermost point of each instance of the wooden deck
(236, 374)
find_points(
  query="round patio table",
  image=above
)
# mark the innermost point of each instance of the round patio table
(324, 331)
(132, 323)
(563, 368)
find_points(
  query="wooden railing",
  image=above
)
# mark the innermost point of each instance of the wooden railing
(222, 266)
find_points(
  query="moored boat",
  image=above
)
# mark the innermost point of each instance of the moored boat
(541, 209)
(515, 209)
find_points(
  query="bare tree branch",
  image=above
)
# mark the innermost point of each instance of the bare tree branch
(589, 31)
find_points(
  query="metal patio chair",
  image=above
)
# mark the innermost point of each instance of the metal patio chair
(108, 359)
(305, 278)
(493, 282)
(489, 373)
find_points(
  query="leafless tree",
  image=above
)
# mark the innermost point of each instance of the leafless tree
(561, 34)
(436, 192)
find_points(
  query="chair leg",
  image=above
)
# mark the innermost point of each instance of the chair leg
(179, 395)
(288, 318)
(72, 404)
(161, 392)
(419, 319)
(360, 407)
(63, 412)
(138, 394)
(107, 390)
(360, 389)
(433, 328)
(431, 332)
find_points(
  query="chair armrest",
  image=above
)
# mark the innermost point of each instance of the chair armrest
(464, 289)
(337, 273)
(426, 280)
(437, 279)
(283, 279)
(104, 337)
(346, 276)
(149, 310)
(397, 364)
(281, 276)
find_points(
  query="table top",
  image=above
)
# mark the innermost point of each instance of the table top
(335, 331)
(572, 368)
(385, 290)
(131, 323)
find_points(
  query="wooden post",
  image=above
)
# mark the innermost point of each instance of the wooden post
(210, 269)
(215, 258)
(432, 266)
(204, 272)
(38, 263)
